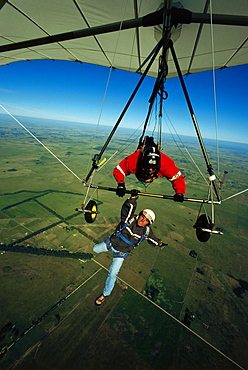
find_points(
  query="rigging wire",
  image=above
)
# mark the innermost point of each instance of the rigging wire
(124, 146)
(119, 151)
(97, 157)
(136, 36)
(107, 83)
(234, 195)
(193, 117)
(214, 86)
(211, 197)
(100, 113)
(195, 164)
(44, 146)
(184, 147)
(59, 160)
(112, 156)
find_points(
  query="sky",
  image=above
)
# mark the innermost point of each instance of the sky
(79, 92)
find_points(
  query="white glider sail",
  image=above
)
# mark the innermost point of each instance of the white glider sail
(79, 30)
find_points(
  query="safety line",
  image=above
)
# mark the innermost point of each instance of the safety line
(171, 316)
(44, 146)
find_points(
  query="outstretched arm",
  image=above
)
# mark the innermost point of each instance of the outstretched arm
(153, 240)
(128, 209)
(172, 173)
(126, 167)
(178, 183)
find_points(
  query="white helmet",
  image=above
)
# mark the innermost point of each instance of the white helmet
(149, 214)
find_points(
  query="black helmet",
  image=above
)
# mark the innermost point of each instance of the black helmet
(151, 158)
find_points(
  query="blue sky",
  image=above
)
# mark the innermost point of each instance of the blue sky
(74, 92)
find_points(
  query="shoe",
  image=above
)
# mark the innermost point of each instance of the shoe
(100, 300)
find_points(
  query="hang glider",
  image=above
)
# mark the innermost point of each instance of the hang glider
(121, 34)
(130, 35)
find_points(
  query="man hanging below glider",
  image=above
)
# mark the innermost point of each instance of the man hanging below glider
(148, 164)
(130, 232)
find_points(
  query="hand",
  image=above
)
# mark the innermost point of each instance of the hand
(162, 245)
(134, 193)
(178, 197)
(121, 190)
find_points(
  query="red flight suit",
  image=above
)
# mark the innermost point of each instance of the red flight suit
(167, 169)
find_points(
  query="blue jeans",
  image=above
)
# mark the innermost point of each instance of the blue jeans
(118, 259)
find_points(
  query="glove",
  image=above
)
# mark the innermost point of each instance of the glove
(134, 193)
(121, 190)
(178, 197)
(162, 245)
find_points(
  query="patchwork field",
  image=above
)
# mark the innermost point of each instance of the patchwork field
(169, 310)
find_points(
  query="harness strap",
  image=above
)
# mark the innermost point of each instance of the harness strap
(124, 239)
(146, 233)
(120, 255)
(116, 254)
(122, 226)
(108, 245)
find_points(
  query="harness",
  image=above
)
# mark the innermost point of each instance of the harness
(123, 225)
(117, 232)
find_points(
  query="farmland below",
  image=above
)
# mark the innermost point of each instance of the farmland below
(171, 309)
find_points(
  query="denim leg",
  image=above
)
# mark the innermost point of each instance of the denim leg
(101, 247)
(114, 268)
(113, 272)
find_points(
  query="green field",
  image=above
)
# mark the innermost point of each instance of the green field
(48, 318)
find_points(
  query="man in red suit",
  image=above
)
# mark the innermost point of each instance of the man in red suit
(147, 165)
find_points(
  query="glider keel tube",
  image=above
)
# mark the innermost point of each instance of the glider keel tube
(178, 15)
(152, 19)
(170, 197)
